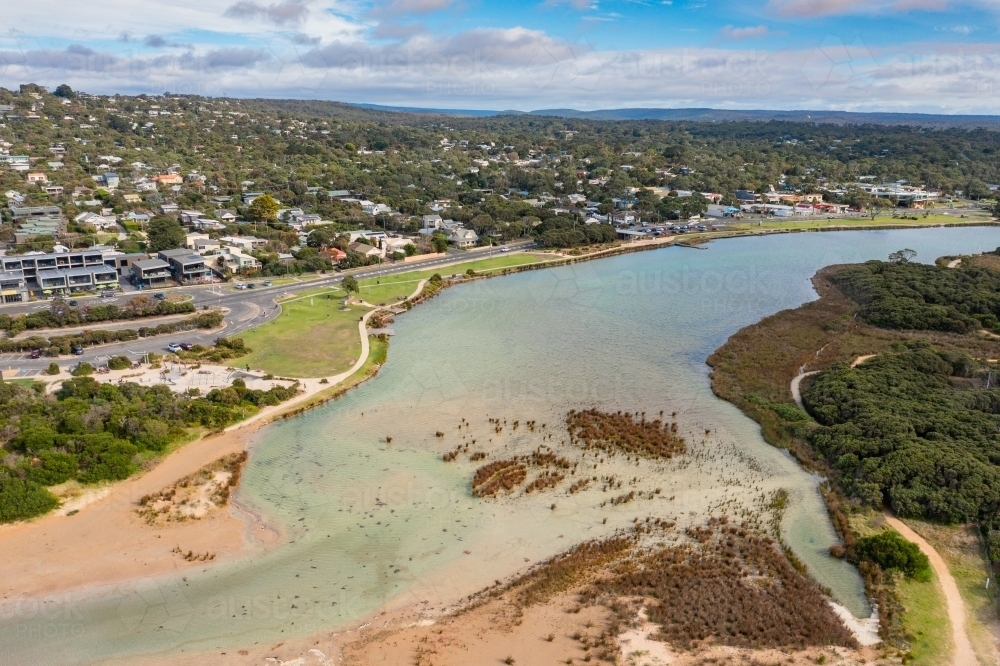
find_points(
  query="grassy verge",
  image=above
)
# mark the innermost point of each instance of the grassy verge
(931, 219)
(925, 621)
(960, 548)
(313, 337)
(391, 288)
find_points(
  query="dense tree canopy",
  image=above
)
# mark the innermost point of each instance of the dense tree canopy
(904, 295)
(912, 428)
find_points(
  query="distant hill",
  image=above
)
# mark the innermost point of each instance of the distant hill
(724, 115)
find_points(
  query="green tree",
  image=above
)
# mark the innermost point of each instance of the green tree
(262, 209)
(892, 552)
(64, 91)
(53, 369)
(165, 233)
(350, 284)
(439, 242)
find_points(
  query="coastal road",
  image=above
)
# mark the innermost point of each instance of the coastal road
(247, 309)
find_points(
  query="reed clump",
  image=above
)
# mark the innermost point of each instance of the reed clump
(623, 432)
(493, 477)
(727, 585)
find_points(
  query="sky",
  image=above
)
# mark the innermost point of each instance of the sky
(932, 56)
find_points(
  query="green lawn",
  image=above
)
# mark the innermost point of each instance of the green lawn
(313, 337)
(926, 622)
(388, 290)
(879, 221)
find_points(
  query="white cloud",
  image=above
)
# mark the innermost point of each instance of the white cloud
(747, 32)
(290, 12)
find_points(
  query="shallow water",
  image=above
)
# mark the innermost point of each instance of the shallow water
(369, 522)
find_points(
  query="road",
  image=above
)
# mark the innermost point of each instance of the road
(247, 309)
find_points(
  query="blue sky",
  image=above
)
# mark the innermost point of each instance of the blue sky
(885, 55)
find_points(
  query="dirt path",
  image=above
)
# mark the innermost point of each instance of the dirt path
(794, 386)
(861, 359)
(964, 656)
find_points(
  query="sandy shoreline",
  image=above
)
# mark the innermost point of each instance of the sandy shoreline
(72, 554)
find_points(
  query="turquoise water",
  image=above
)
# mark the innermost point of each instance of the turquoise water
(368, 523)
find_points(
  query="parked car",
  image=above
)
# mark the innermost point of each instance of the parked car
(73, 304)
(36, 353)
(241, 286)
(160, 296)
(251, 286)
(77, 350)
(186, 346)
(267, 283)
(173, 347)
(108, 294)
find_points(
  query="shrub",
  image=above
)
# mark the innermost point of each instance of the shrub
(892, 552)
(21, 499)
(119, 363)
(82, 370)
(53, 369)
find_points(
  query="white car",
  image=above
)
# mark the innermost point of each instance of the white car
(173, 347)
(505, 249)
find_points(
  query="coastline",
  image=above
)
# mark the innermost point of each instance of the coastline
(297, 406)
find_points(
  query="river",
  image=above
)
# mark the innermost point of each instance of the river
(368, 523)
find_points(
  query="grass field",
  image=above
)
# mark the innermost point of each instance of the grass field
(860, 223)
(388, 289)
(313, 337)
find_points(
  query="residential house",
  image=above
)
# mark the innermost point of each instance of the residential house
(190, 216)
(99, 222)
(226, 215)
(150, 273)
(168, 179)
(13, 286)
(186, 267)
(190, 238)
(334, 254)
(245, 243)
(132, 198)
(233, 259)
(365, 249)
(37, 177)
(53, 190)
(463, 238)
(22, 212)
